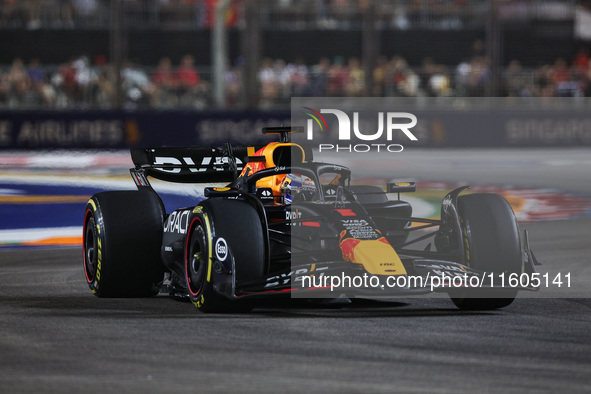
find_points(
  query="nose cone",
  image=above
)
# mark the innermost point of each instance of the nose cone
(376, 255)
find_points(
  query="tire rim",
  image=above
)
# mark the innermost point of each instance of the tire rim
(197, 262)
(90, 250)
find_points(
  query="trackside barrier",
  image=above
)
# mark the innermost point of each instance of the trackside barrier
(112, 129)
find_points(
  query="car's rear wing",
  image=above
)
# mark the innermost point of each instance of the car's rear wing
(192, 165)
(202, 164)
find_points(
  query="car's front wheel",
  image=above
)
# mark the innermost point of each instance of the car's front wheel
(492, 244)
(238, 224)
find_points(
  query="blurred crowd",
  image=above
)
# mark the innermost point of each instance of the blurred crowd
(82, 83)
(85, 83)
(395, 77)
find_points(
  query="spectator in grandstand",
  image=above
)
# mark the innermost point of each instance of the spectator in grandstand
(17, 72)
(187, 75)
(562, 80)
(542, 84)
(439, 83)
(39, 82)
(427, 71)
(19, 89)
(165, 81)
(164, 76)
(514, 80)
(478, 77)
(5, 88)
(580, 72)
(35, 71)
(394, 75)
(355, 83)
(64, 80)
(282, 75)
(279, 81)
(401, 80)
(337, 78)
(233, 81)
(319, 77)
(25, 96)
(379, 77)
(434, 79)
(478, 49)
(106, 92)
(579, 83)
(587, 82)
(136, 85)
(266, 77)
(559, 72)
(189, 83)
(581, 60)
(299, 78)
(85, 80)
(461, 77)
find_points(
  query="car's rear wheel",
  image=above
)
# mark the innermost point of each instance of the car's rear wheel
(122, 236)
(491, 244)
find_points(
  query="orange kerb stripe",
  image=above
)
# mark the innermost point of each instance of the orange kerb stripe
(62, 241)
(42, 199)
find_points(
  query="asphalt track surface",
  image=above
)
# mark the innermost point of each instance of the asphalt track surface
(55, 336)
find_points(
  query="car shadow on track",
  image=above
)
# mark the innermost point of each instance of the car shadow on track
(363, 308)
(166, 308)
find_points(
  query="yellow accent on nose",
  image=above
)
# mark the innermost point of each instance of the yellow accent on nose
(378, 258)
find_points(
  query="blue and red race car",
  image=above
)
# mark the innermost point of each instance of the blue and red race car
(286, 225)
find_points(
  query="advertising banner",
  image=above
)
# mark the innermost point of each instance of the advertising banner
(453, 122)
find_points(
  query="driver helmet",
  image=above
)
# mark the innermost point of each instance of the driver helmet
(297, 187)
(289, 186)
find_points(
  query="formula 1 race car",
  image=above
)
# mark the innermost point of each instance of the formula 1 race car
(285, 225)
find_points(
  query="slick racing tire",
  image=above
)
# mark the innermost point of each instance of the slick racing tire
(492, 244)
(121, 243)
(238, 223)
